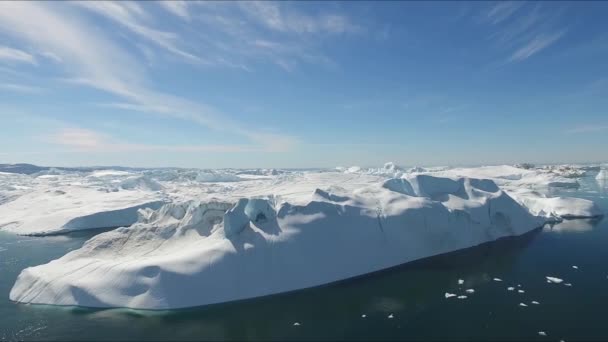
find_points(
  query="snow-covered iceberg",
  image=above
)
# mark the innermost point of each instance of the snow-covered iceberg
(195, 253)
(59, 208)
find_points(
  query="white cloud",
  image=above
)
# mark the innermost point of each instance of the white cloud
(95, 60)
(15, 55)
(177, 7)
(502, 11)
(536, 45)
(274, 16)
(131, 15)
(20, 88)
(89, 141)
(523, 29)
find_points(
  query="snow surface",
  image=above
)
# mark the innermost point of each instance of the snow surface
(45, 205)
(226, 235)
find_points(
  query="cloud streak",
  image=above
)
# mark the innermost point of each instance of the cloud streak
(536, 45)
(15, 55)
(522, 29)
(89, 141)
(90, 58)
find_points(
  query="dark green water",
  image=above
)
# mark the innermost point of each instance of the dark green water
(413, 294)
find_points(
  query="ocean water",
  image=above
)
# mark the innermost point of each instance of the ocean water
(412, 294)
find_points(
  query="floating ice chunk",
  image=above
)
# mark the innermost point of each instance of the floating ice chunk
(568, 284)
(535, 302)
(542, 333)
(554, 280)
(470, 291)
(602, 175)
(518, 285)
(497, 279)
(390, 316)
(363, 316)
(296, 324)
(510, 288)
(460, 281)
(521, 291)
(522, 304)
(449, 295)
(462, 297)
(575, 267)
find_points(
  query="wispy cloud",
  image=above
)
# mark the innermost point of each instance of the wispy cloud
(97, 61)
(20, 88)
(15, 55)
(274, 16)
(587, 128)
(537, 44)
(87, 141)
(131, 15)
(502, 11)
(522, 29)
(243, 34)
(177, 7)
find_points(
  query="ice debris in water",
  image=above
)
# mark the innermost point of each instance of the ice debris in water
(462, 297)
(296, 324)
(521, 291)
(470, 291)
(542, 333)
(460, 281)
(363, 316)
(497, 279)
(575, 267)
(535, 302)
(568, 284)
(390, 316)
(518, 285)
(449, 295)
(510, 288)
(554, 280)
(522, 304)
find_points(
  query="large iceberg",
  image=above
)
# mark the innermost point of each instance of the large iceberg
(199, 253)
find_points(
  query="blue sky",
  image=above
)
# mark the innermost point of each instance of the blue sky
(302, 84)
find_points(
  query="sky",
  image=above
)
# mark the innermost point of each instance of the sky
(302, 84)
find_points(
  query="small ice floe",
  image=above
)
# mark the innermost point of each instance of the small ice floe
(510, 288)
(390, 316)
(462, 297)
(542, 333)
(518, 285)
(470, 291)
(521, 291)
(522, 304)
(497, 279)
(535, 302)
(554, 280)
(449, 295)
(363, 316)
(296, 324)
(568, 284)
(575, 267)
(460, 281)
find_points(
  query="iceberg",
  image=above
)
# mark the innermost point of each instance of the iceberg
(269, 234)
(199, 253)
(61, 209)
